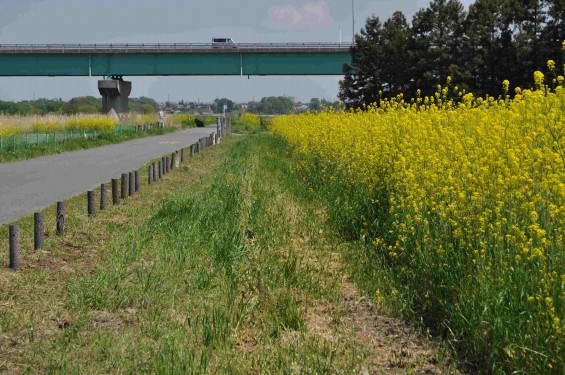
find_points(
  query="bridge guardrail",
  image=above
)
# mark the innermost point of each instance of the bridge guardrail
(165, 46)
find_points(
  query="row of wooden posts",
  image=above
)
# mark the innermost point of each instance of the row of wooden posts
(129, 186)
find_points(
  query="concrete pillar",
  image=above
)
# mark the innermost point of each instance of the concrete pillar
(115, 95)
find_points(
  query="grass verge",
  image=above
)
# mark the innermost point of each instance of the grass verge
(225, 266)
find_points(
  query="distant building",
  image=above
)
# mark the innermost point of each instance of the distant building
(300, 107)
(204, 109)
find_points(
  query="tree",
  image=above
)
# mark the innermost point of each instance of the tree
(554, 33)
(396, 68)
(531, 18)
(273, 105)
(437, 36)
(315, 104)
(362, 82)
(218, 105)
(142, 104)
(146, 109)
(489, 53)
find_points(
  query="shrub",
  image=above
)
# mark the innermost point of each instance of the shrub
(7, 130)
(103, 124)
(46, 126)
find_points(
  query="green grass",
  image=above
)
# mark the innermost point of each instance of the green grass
(225, 266)
(77, 144)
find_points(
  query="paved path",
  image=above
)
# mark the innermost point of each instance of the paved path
(28, 185)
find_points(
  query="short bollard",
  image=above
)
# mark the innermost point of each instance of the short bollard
(136, 181)
(167, 164)
(163, 167)
(149, 174)
(182, 155)
(90, 202)
(154, 171)
(14, 247)
(115, 192)
(192, 150)
(38, 231)
(173, 162)
(124, 185)
(61, 214)
(103, 197)
(131, 183)
(177, 159)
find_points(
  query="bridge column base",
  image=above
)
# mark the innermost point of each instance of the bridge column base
(115, 95)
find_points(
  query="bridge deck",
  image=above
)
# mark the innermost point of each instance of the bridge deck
(173, 59)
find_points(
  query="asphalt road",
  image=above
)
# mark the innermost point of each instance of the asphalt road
(29, 185)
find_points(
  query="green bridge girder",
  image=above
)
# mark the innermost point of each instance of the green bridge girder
(156, 63)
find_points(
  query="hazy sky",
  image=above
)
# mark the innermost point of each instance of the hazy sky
(183, 21)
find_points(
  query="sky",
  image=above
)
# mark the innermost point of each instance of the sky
(186, 21)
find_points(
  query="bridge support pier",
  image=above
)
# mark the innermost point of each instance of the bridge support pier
(115, 93)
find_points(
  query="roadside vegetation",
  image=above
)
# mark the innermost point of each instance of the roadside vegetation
(227, 265)
(108, 131)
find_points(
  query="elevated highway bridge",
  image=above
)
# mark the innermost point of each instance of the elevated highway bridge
(176, 59)
(173, 59)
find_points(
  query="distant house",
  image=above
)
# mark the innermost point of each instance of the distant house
(300, 107)
(204, 109)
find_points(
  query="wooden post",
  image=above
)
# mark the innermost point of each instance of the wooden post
(182, 155)
(131, 184)
(150, 174)
(115, 194)
(90, 202)
(167, 165)
(173, 161)
(192, 150)
(14, 247)
(177, 159)
(38, 231)
(61, 213)
(163, 166)
(124, 185)
(154, 171)
(137, 180)
(103, 196)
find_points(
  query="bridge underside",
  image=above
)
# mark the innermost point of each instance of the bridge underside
(159, 64)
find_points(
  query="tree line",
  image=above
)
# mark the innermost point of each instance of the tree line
(82, 104)
(495, 40)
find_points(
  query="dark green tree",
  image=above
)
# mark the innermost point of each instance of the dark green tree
(437, 37)
(396, 68)
(273, 105)
(362, 83)
(218, 105)
(531, 19)
(554, 33)
(488, 52)
(315, 104)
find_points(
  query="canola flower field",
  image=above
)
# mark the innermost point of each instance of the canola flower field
(463, 202)
(12, 125)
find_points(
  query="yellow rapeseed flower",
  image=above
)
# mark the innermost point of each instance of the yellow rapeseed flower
(538, 78)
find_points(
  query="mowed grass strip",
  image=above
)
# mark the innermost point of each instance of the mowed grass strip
(226, 266)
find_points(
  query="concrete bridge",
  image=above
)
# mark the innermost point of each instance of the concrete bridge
(119, 60)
